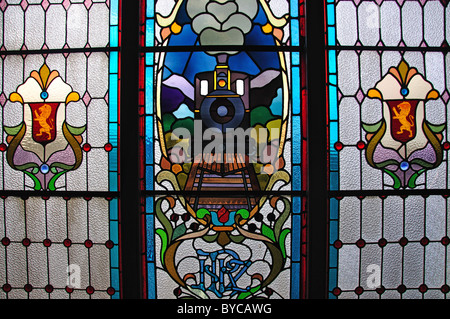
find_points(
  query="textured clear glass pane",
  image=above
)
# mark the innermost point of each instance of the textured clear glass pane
(348, 72)
(59, 236)
(346, 23)
(391, 33)
(433, 12)
(35, 25)
(397, 247)
(369, 23)
(412, 27)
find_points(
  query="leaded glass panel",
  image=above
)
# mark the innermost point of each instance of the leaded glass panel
(220, 221)
(387, 97)
(59, 150)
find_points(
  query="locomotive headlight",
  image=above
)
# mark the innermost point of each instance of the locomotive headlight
(222, 83)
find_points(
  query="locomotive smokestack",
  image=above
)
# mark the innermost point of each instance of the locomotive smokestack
(222, 59)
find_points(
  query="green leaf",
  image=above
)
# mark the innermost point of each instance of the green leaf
(244, 295)
(422, 163)
(282, 219)
(76, 130)
(202, 212)
(436, 128)
(397, 182)
(37, 183)
(372, 128)
(243, 213)
(179, 231)
(210, 238)
(163, 219)
(283, 236)
(413, 178)
(164, 241)
(51, 184)
(13, 130)
(268, 232)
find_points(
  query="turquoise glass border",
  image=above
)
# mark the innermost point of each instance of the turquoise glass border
(333, 130)
(113, 138)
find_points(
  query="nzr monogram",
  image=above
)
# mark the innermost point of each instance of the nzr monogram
(224, 268)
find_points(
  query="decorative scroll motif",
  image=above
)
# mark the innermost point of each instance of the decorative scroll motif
(403, 143)
(222, 92)
(222, 271)
(44, 146)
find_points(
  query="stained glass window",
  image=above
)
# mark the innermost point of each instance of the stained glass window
(387, 91)
(59, 211)
(222, 128)
(256, 155)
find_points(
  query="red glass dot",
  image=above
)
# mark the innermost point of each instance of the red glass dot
(69, 289)
(361, 243)
(446, 146)
(47, 242)
(268, 291)
(88, 243)
(401, 289)
(6, 287)
(424, 241)
(337, 291)
(26, 242)
(108, 147)
(28, 288)
(86, 147)
(380, 290)
(194, 226)
(445, 288)
(359, 290)
(423, 288)
(3, 147)
(382, 242)
(90, 290)
(403, 241)
(337, 244)
(338, 146)
(67, 242)
(445, 240)
(361, 145)
(177, 292)
(109, 244)
(49, 288)
(5, 241)
(110, 291)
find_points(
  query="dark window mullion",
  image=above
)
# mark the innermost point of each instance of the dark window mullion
(317, 228)
(130, 228)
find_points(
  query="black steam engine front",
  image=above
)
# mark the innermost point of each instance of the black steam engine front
(222, 101)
